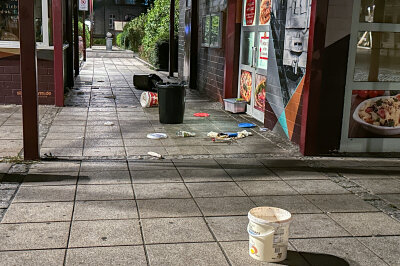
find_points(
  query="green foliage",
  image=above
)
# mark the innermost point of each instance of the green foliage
(157, 28)
(99, 41)
(80, 31)
(145, 32)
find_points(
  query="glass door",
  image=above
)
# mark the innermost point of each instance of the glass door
(254, 55)
(371, 116)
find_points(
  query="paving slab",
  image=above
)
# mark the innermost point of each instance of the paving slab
(318, 251)
(168, 208)
(50, 167)
(33, 236)
(32, 257)
(121, 255)
(225, 206)
(392, 198)
(367, 224)
(317, 187)
(251, 174)
(298, 173)
(45, 194)
(265, 188)
(293, 204)
(39, 212)
(381, 186)
(315, 225)
(238, 255)
(175, 230)
(50, 179)
(100, 166)
(104, 177)
(161, 191)
(204, 175)
(229, 228)
(104, 192)
(97, 210)
(156, 176)
(105, 233)
(386, 247)
(201, 254)
(214, 189)
(150, 165)
(341, 203)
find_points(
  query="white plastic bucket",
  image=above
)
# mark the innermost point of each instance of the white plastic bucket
(268, 233)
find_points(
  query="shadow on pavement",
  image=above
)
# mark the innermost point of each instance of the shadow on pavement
(295, 258)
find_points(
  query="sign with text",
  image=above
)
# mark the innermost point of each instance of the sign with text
(84, 5)
(263, 53)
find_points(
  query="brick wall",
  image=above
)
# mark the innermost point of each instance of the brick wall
(10, 81)
(210, 64)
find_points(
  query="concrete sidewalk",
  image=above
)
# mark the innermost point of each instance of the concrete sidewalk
(104, 201)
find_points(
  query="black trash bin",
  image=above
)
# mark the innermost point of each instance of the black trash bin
(171, 102)
(146, 82)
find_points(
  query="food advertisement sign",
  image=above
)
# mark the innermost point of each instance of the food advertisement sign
(259, 93)
(246, 84)
(265, 12)
(263, 50)
(249, 13)
(375, 114)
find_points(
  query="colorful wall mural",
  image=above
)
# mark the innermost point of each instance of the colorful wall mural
(287, 66)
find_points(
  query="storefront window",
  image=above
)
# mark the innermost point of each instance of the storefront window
(378, 57)
(378, 11)
(9, 30)
(247, 48)
(211, 30)
(9, 26)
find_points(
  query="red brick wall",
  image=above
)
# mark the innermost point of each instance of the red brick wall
(10, 81)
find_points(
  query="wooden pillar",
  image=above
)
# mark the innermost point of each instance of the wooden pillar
(91, 23)
(171, 38)
(70, 49)
(84, 35)
(58, 52)
(194, 36)
(76, 39)
(232, 48)
(29, 80)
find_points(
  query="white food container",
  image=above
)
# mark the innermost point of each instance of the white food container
(234, 106)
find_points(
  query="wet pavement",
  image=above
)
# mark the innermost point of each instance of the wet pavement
(101, 200)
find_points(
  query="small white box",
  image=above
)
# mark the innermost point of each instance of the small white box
(234, 105)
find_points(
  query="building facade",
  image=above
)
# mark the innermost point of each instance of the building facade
(312, 71)
(106, 12)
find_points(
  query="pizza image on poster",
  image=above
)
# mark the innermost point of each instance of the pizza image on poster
(259, 96)
(265, 12)
(245, 85)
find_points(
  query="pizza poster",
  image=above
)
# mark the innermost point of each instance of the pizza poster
(259, 93)
(246, 83)
(265, 12)
(249, 13)
(263, 43)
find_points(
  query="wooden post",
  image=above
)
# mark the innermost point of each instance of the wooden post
(84, 35)
(232, 48)
(58, 52)
(70, 40)
(29, 80)
(91, 23)
(76, 39)
(171, 37)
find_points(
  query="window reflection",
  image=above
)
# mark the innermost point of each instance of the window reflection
(380, 11)
(378, 57)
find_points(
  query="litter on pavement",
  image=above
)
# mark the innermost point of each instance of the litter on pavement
(228, 136)
(109, 123)
(184, 134)
(149, 99)
(246, 125)
(154, 154)
(157, 136)
(201, 114)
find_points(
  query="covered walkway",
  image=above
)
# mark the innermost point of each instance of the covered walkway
(101, 200)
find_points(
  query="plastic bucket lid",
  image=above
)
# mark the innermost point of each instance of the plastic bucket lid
(267, 215)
